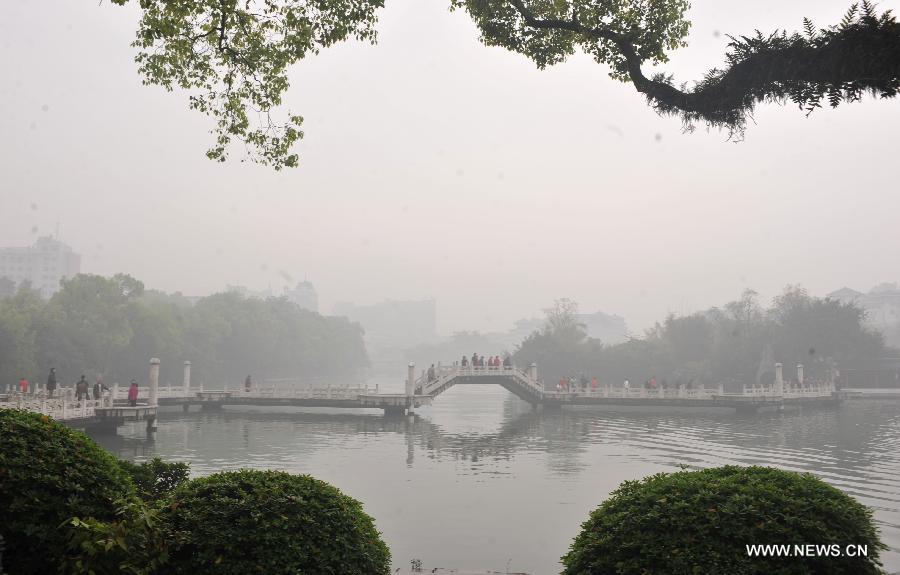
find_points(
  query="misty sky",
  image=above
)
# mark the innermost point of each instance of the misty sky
(436, 167)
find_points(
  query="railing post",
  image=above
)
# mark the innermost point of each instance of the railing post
(154, 382)
(410, 380)
(800, 374)
(779, 380)
(186, 382)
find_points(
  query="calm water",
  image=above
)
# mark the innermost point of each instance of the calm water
(480, 481)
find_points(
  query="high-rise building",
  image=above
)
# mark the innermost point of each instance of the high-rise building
(41, 265)
(304, 295)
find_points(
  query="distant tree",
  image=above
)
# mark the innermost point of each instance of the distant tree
(7, 287)
(736, 345)
(96, 325)
(560, 346)
(819, 332)
(20, 320)
(233, 56)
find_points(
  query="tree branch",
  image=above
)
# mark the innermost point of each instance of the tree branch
(862, 54)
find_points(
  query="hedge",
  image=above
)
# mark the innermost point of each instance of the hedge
(49, 474)
(249, 521)
(701, 522)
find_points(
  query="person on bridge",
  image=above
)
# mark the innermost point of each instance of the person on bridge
(594, 383)
(475, 360)
(133, 394)
(465, 361)
(99, 388)
(507, 361)
(23, 385)
(81, 388)
(247, 384)
(51, 382)
(626, 386)
(431, 373)
(562, 384)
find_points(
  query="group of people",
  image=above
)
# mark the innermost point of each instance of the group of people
(493, 362)
(572, 384)
(83, 389)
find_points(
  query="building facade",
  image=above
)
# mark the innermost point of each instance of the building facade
(304, 295)
(42, 265)
(882, 307)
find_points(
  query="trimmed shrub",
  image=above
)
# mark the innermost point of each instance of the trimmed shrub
(693, 522)
(49, 474)
(247, 521)
(155, 479)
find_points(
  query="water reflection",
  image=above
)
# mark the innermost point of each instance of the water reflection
(479, 479)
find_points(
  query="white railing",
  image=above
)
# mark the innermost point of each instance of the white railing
(814, 390)
(61, 407)
(818, 389)
(443, 374)
(636, 392)
(276, 391)
(305, 391)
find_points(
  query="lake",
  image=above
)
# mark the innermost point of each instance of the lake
(480, 481)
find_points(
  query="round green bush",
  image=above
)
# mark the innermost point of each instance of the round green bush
(49, 474)
(246, 521)
(702, 522)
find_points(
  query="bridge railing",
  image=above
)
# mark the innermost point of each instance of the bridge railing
(635, 393)
(274, 391)
(61, 407)
(427, 385)
(814, 390)
(306, 392)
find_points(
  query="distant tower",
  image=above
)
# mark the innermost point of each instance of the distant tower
(304, 295)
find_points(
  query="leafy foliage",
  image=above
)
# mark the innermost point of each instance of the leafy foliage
(548, 32)
(133, 543)
(49, 474)
(156, 478)
(271, 522)
(737, 344)
(112, 326)
(701, 521)
(839, 63)
(233, 58)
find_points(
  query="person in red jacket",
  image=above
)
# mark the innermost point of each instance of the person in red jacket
(23, 385)
(133, 394)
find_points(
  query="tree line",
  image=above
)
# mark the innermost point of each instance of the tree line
(737, 344)
(96, 325)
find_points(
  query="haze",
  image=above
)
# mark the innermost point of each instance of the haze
(434, 167)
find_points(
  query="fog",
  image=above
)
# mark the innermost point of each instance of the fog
(530, 292)
(435, 167)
